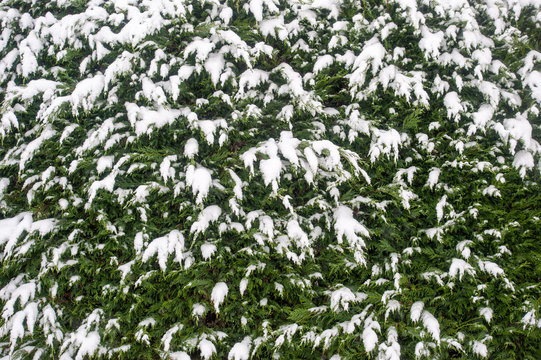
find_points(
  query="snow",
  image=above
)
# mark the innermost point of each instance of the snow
(121, 66)
(370, 339)
(453, 105)
(347, 226)
(433, 177)
(416, 310)
(519, 129)
(407, 196)
(198, 310)
(34, 145)
(206, 348)
(482, 117)
(391, 349)
(226, 14)
(200, 180)
(530, 319)
(87, 92)
(333, 160)
(11, 230)
(533, 80)
(107, 183)
(202, 48)
(242, 286)
(487, 313)
(464, 249)
(431, 42)
(491, 268)
(214, 66)
(480, 349)
(4, 183)
(288, 147)
(219, 292)
(163, 247)
(432, 325)
(238, 185)
(166, 171)
(105, 162)
(191, 148)
(144, 120)
(241, 350)
(460, 267)
(207, 250)
(322, 62)
(252, 78)
(421, 350)
(89, 345)
(9, 119)
(439, 207)
(209, 214)
(392, 306)
(256, 8)
(341, 298)
(270, 170)
(523, 161)
(332, 5)
(168, 336)
(312, 159)
(185, 71)
(179, 355)
(372, 54)
(29, 63)
(17, 328)
(295, 232)
(384, 142)
(491, 190)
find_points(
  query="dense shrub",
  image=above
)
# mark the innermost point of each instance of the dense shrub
(270, 179)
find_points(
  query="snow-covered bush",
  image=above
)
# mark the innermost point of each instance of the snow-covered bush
(326, 179)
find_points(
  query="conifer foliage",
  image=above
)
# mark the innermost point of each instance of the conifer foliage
(301, 179)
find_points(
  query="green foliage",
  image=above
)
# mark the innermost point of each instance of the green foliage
(269, 179)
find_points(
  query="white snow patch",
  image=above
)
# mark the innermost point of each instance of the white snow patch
(207, 250)
(214, 66)
(198, 310)
(206, 348)
(89, 345)
(370, 338)
(416, 310)
(341, 297)
(164, 246)
(200, 180)
(459, 267)
(432, 325)
(431, 42)
(191, 148)
(241, 350)
(453, 105)
(346, 225)
(179, 355)
(480, 349)
(219, 292)
(523, 161)
(487, 313)
(104, 162)
(433, 177)
(533, 80)
(209, 214)
(323, 62)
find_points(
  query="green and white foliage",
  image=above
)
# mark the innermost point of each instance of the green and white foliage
(266, 179)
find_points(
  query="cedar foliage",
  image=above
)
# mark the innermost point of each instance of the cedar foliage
(270, 179)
